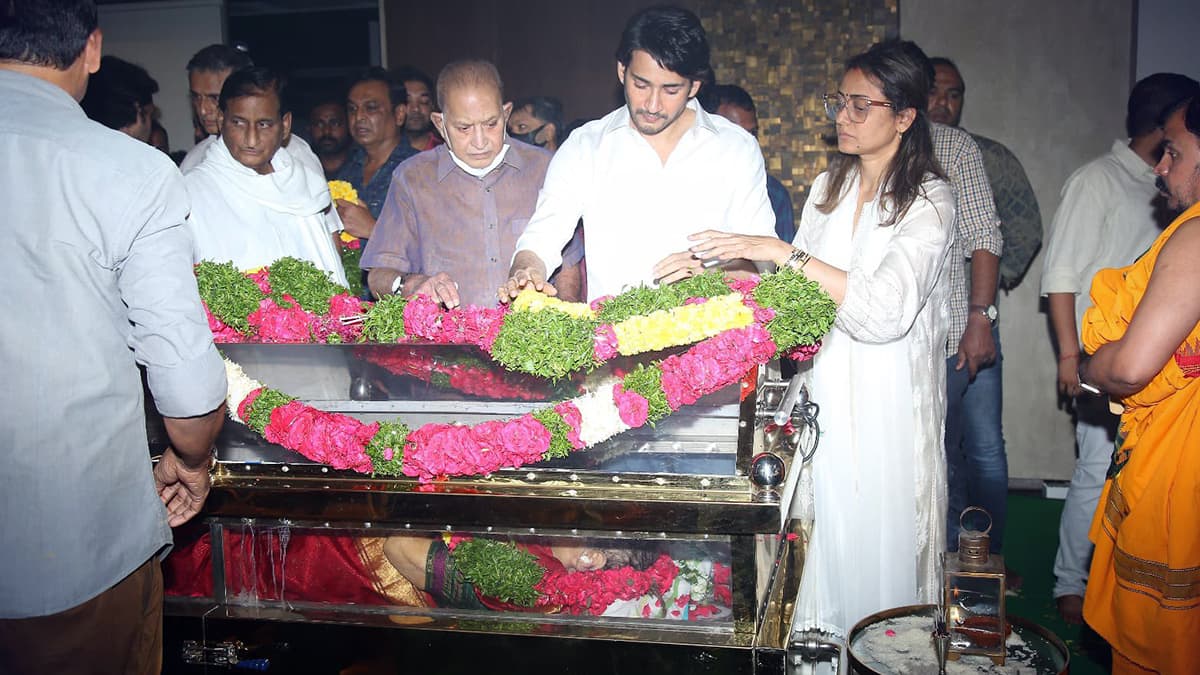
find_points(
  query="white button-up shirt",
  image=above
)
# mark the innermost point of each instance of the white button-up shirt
(636, 209)
(1107, 218)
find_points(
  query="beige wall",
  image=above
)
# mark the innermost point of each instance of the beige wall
(1049, 80)
(161, 37)
(541, 47)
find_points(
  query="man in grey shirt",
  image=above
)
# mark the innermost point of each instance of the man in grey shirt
(98, 278)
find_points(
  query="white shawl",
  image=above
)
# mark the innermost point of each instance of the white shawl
(252, 220)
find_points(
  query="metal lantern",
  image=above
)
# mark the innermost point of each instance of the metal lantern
(973, 594)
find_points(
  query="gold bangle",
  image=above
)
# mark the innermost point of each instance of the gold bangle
(798, 259)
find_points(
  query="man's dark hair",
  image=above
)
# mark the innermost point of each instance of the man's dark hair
(1191, 114)
(117, 91)
(1151, 98)
(254, 81)
(902, 72)
(336, 98)
(1191, 119)
(714, 97)
(218, 58)
(546, 108)
(397, 94)
(672, 36)
(130, 75)
(935, 61)
(411, 74)
(47, 33)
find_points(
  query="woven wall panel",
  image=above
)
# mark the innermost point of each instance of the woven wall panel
(787, 54)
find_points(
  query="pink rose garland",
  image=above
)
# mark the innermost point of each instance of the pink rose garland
(632, 406)
(437, 450)
(329, 438)
(714, 363)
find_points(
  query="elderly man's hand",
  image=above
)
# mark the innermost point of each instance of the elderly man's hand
(440, 287)
(182, 489)
(356, 218)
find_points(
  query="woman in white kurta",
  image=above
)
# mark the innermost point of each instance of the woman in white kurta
(875, 233)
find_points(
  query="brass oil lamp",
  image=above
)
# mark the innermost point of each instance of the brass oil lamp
(973, 588)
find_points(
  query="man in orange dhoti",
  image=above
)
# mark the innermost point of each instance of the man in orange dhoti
(1143, 331)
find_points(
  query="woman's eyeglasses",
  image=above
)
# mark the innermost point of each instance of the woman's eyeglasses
(857, 106)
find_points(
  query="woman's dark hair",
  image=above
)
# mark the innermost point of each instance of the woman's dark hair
(47, 33)
(672, 36)
(903, 73)
(638, 555)
(254, 81)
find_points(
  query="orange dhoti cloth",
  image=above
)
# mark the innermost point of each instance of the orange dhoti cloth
(1143, 592)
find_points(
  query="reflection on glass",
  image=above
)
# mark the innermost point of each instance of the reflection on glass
(421, 384)
(277, 565)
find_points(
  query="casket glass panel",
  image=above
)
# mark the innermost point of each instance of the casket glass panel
(420, 384)
(418, 572)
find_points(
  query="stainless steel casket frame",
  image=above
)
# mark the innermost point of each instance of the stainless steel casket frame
(744, 502)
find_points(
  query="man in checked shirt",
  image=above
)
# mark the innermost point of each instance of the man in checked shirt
(976, 462)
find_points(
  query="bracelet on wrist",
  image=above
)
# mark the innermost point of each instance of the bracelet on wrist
(1068, 357)
(797, 260)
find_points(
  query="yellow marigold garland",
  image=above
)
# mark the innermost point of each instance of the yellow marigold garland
(682, 325)
(530, 300)
(340, 189)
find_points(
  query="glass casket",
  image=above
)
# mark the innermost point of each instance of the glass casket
(666, 547)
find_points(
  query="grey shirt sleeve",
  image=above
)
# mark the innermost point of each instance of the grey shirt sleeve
(169, 332)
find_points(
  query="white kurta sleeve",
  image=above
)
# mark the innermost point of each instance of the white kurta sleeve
(881, 304)
(560, 203)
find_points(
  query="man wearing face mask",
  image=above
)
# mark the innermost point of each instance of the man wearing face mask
(537, 120)
(452, 216)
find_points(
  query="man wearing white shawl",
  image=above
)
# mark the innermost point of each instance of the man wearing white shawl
(252, 202)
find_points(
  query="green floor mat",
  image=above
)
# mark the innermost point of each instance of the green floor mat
(1030, 543)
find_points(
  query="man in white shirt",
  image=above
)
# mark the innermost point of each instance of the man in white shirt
(648, 174)
(207, 71)
(1111, 212)
(252, 202)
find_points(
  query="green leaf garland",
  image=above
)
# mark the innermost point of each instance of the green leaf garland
(385, 320)
(301, 279)
(500, 570)
(560, 444)
(563, 344)
(391, 436)
(230, 295)
(804, 312)
(647, 381)
(644, 300)
(259, 415)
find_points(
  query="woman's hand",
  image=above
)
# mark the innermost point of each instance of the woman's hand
(726, 246)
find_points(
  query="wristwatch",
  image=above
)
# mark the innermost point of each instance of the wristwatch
(397, 284)
(988, 311)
